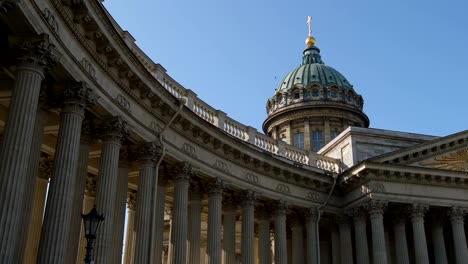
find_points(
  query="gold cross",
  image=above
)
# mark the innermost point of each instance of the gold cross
(309, 22)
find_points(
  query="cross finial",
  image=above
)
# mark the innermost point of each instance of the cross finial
(309, 24)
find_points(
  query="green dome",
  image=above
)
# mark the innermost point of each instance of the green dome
(313, 71)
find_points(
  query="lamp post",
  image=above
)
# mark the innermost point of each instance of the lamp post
(91, 223)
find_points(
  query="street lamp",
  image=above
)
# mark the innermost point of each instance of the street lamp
(91, 223)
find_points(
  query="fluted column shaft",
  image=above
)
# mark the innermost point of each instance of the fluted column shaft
(335, 241)
(57, 218)
(311, 234)
(215, 199)
(229, 234)
(159, 224)
(362, 251)
(297, 243)
(379, 247)
(194, 228)
(179, 215)
(78, 196)
(106, 194)
(143, 211)
(264, 242)
(247, 227)
(440, 255)
(281, 247)
(346, 244)
(130, 232)
(459, 240)
(33, 166)
(401, 246)
(419, 235)
(34, 234)
(15, 154)
(120, 202)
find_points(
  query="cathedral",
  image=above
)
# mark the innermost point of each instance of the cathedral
(89, 123)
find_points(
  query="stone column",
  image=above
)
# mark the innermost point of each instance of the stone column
(307, 136)
(33, 164)
(88, 204)
(459, 240)
(281, 252)
(440, 255)
(194, 225)
(264, 241)
(346, 244)
(130, 232)
(376, 210)
(311, 233)
(34, 233)
(297, 238)
(36, 55)
(401, 247)
(248, 199)
(229, 232)
(160, 208)
(360, 235)
(56, 228)
(113, 130)
(78, 193)
(215, 198)
(120, 204)
(179, 214)
(146, 156)
(419, 235)
(335, 239)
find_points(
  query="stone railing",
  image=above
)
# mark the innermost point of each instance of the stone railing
(220, 119)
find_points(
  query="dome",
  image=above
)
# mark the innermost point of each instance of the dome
(313, 71)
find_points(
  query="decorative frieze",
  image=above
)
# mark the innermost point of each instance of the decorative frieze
(89, 67)
(155, 127)
(189, 150)
(252, 178)
(283, 188)
(373, 187)
(124, 102)
(51, 20)
(315, 196)
(220, 165)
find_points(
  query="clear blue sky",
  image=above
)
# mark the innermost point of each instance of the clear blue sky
(408, 59)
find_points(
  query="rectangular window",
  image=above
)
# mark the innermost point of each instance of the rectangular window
(299, 140)
(317, 140)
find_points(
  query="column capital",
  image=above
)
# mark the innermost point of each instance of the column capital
(163, 175)
(131, 200)
(216, 186)
(399, 217)
(91, 185)
(37, 51)
(79, 94)
(281, 207)
(147, 152)
(457, 213)
(125, 155)
(87, 132)
(375, 207)
(183, 171)
(311, 214)
(248, 198)
(357, 213)
(263, 213)
(418, 210)
(114, 129)
(6, 5)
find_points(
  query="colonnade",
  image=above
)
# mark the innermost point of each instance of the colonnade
(71, 189)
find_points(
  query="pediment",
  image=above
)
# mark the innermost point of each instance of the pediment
(447, 153)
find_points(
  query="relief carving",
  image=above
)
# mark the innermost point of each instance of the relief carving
(251, 178)
(221, 166)
(283, 188)
(314, 196)
(155, 127)
(189, 150)
(122, 101)
(89, 67)
(51, 20)
(373, 188)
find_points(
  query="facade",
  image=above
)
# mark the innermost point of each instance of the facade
(88, 119)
